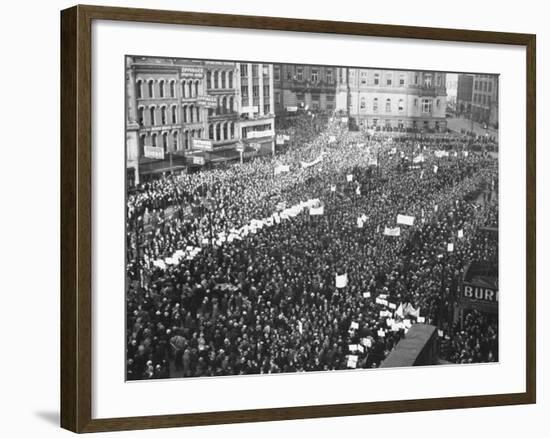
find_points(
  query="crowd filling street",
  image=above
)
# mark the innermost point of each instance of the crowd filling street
(296, 262)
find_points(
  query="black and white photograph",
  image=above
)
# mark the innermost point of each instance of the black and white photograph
(285, 218)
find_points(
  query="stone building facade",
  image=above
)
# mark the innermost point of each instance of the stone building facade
(395, 99)
(485, 99)
(183, 112)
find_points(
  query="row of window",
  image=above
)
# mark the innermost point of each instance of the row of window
(169, 141)
(221, 131)
(147, 89)
(427, 105)
(219, 80)
(226, 104)
(314, 75)
(486, 86)
(255, 70)
(216, 132)
(256, 91)
(159, 140)
(482, 99)
(427, 79)
(153, 116)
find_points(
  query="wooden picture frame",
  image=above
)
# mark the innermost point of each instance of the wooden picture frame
(76, 217)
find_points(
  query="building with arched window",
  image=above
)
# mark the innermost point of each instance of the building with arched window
(222, 112)
(165, 98)
(180, 108)
(393, 99)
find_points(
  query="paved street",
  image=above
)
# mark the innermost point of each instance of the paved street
(458, 123)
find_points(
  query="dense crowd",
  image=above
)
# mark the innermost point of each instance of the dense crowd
(267, 301)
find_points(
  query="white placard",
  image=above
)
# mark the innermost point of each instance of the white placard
(403, 219)
(341, 280)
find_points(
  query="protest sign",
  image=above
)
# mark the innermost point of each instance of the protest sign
(395, 232)
(341, 280)
(159, 264)
(399, 311)
(403, 219)
(367, 342)
(318, 211)
(312, 163)
(352, 361)
(282, 169)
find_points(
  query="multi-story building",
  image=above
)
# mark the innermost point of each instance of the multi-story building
(301, 86)
(223, 114)
(256, 106)
(395, 98)
(166, 110)
(485, 99)
(182, 112)
(190, 111)
(464, 92)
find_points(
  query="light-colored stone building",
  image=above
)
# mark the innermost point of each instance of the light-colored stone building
(395, 99)
(256, 106)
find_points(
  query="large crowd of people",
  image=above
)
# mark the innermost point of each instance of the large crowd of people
(266, 301)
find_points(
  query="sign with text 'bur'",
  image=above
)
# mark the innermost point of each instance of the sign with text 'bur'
(479, 297)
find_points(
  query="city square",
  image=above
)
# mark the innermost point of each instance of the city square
(284, 218)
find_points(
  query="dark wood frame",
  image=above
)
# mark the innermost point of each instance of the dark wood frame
(76, 177)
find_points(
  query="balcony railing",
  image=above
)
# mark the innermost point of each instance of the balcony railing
(429, 91)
